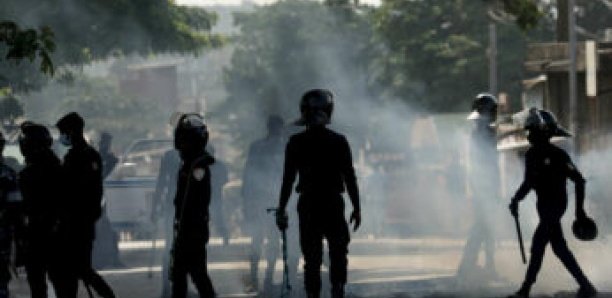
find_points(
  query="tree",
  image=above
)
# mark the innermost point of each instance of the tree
(28, 44)
(289, 47)
(89, 30)
(438, 52)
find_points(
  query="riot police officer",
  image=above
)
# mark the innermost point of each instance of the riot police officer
(163, 208)
(8, 218)
(483, 178)
(260, 182)
(40, 184)
(83, 180)
(547, 168)
(322, 159)
(191, 231)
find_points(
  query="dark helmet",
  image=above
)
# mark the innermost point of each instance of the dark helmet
(34, 137)
(275, 123)
(316, 107)
(584, 229)
(71, 122)
(544, 122)
(484, 107)
(191, 131)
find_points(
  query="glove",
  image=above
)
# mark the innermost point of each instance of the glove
(356, 218)
(282, 220)
(514, 206)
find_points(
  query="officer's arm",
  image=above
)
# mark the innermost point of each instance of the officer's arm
(527, 184)
(289, 174)
(350, 179)
(579, 183)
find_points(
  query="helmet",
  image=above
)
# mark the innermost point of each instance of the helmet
(71, 122)
(190, 131)
(34, 137)
(584, 229)
(542, 121)
(275, 123)
(484, 107)
(316, 107)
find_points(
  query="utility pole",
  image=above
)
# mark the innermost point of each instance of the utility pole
(573, 92)
(492, 58)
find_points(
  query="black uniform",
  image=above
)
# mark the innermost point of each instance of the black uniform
(191, 227)
(483, 179)
(40, 184)
(83, 169)
(8, 217)
(323, 160)
(547, 169)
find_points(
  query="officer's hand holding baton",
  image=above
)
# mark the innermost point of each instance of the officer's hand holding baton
(282, 220)
(356, 218)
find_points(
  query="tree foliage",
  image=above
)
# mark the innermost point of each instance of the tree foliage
(28, 44)
(438, 52)
(95, 29)
(291, 46)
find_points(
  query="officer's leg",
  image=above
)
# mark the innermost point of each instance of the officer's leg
(489, 250)
(541, 238)
(338, 238)
(257, 240)
(89, 276)
(311, 243)
(469, 260)
(198, 270)
(179, 276)
(272, 252)
(36, 274)
(168, 238)
(559, 246)
(5, 276)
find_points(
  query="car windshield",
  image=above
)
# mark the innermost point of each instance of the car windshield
(142, 159)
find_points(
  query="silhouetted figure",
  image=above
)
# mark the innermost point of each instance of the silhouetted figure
(83, 173)
(259, 190)
(547, 169)
(191, 231)
(219, 176)
(483, 178)
(106, 244)
(322, 159)
(9, 215)
(163, 208)
(40, 182)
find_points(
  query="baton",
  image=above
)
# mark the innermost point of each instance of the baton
(286, 287)
(520, 239)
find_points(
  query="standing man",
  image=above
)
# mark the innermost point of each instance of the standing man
(83, 172)
(483, 178)
(106, 245)
(260, 183)
(163, 209)
(191, 231)
(40, 184)
(8, 216)
(322, 159)
(547, 168)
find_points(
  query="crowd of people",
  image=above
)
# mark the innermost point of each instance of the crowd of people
(51, 207)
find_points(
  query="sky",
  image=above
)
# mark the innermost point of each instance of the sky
(238, 2)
